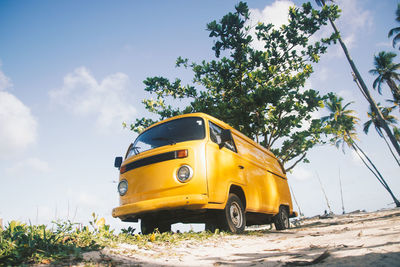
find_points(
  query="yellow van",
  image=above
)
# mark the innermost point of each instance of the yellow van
(194, 168)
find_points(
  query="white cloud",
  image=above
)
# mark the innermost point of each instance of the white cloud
(5, 82)
(353, 16)
(107, 100)
(276, 13)
(353, 20)
(387, 44)
(301, 174)
(18, 126)
(31, 165)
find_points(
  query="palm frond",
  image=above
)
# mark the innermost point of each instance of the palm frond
(366, 126)
(395, 40)
(398, 13)
(393, 31)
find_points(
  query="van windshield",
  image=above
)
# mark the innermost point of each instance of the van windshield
(169, 133)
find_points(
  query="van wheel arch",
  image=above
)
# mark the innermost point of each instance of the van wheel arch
(238, 191)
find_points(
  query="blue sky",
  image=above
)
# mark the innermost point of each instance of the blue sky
(71, 72)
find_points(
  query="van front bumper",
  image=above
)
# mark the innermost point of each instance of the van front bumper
(196, 201)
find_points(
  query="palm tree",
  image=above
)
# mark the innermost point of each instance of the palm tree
(386, 71)
(341, 121)
(390, 119)
(342, 124)
(363, 86)
(397, 29)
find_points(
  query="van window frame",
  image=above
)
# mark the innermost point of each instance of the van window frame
(233, 145)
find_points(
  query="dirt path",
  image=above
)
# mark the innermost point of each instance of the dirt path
(360, 239)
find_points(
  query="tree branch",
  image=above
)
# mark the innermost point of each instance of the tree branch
(297, 161)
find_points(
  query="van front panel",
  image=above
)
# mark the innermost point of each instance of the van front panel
(159, 180)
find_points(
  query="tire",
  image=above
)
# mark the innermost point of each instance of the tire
(281, 220)
(234, 217)
(211, 226)
(164, 227)
(147, 225)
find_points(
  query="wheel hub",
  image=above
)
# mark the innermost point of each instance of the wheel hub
(236, 215)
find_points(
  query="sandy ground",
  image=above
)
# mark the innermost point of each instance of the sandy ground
(358, 239)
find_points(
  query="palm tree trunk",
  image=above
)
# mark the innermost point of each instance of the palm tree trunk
(393, 87)
(295, 200)
(377, 174)
(341, 193)
(365, 90)
(366, 164)
(395, 91)
(391, 151)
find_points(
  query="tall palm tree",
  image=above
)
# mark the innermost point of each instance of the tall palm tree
(363, 86)
(390, 119)
(387, 72)
(396, 30)
(342, 124)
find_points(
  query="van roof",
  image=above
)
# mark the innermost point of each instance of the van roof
(220, 123)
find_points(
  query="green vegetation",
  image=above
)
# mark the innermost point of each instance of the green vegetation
(66, 241)
(256, 83)
(21, 243)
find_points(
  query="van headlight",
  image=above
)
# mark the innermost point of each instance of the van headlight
(184, 173)
(122, 187)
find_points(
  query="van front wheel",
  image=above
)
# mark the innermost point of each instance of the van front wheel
(234, 215)
(149, 225)
(282, 219)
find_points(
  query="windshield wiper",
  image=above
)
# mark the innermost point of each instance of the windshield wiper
(169, 140)
(136, 149)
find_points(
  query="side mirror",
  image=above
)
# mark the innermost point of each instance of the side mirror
(226, 136)
(118, 162)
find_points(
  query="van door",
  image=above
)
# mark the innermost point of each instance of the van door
(224, 166)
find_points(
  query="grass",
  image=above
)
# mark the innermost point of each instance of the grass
(22, 244)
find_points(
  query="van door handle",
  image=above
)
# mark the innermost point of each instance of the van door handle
(241, 167)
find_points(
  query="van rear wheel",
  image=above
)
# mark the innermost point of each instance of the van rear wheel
(234, 216)
(281, 220)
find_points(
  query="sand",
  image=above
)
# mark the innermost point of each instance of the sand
(357, 239)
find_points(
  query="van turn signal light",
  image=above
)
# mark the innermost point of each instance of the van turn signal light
(182, 153)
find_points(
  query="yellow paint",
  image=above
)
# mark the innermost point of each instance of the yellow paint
(254, 169)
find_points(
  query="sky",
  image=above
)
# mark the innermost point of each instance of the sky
(71, 72)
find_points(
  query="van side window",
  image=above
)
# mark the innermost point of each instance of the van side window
(215, 135)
